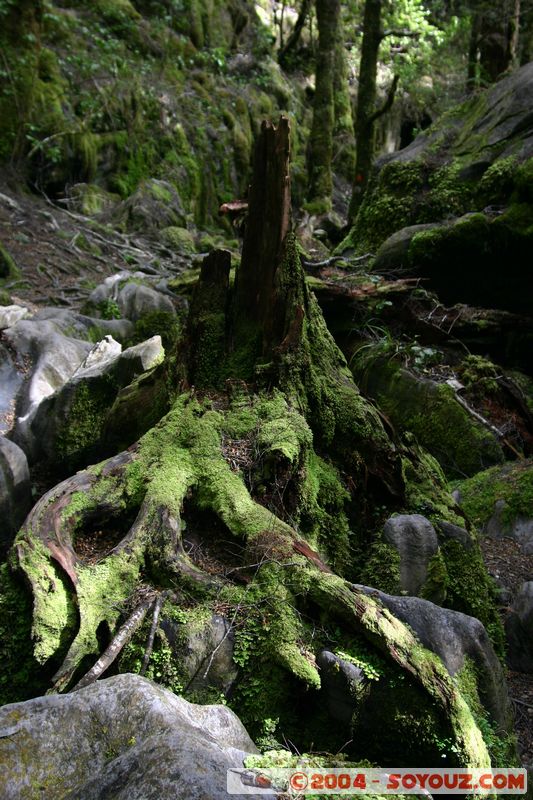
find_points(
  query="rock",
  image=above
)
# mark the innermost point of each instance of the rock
(15, 491)
(102, 353)
(87, 328)
(519, 630)
(454, 637)
(206, 648)
(45, 359)
(446, 530)
(429, 410)
(131, 294)
(11, 314)
(124, 738)
(69, 425)
(499, 501)
(461, 262)
(179, 239)
(415, 539)
(394, 252)
(154, 205)
(40, 353)
(476, 158)
(340, 679)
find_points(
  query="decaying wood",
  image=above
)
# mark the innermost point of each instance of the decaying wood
(268, 223)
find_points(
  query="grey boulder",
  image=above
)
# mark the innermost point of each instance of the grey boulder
(69, 424)
(132, 294)
(15, 491)
(339, 679)
(123, 738)
(416, 541)
(11, 314)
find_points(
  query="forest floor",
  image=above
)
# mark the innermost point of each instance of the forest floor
(63, 256)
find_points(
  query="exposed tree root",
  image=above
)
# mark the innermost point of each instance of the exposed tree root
(268, 335)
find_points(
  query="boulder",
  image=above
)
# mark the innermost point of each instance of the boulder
(455, 637)
(131, 295)
(45, 360)
(11, 314)
(460, 443)
(499, 501)
(394, 252)
(154, 205)
(415, 539)
(68, 426)
(204, 652)
(519, 630)
(475, 158)
(123, 738)
(38, 356)
(15, 491)
(339, 679)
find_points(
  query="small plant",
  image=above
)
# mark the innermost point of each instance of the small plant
(108, 309)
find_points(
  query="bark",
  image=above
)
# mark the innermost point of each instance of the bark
(256, 312)
(321, 141)
(366, 98)
(290, 45)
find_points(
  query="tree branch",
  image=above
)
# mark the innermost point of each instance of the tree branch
(387, 105)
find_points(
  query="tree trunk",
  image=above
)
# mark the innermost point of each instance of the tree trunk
(366, 98)
(321, 141)
(288, 48)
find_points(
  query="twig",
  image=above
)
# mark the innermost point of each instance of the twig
(151, 636)
(521, 702)
(123, 636)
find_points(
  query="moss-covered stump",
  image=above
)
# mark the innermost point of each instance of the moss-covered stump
(245, 500)
(499, 502)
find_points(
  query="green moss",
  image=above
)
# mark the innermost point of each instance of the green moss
(501, 747)
(512, 484)
(82, 427)
(430, 411)
(21, 676)
(54, 615)
(180, 239)
(158, 323)
(388, 206)
(497, 182)
(381, 568)
(436, 584)
(426, 489)
(470, 590)
(8, 268)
